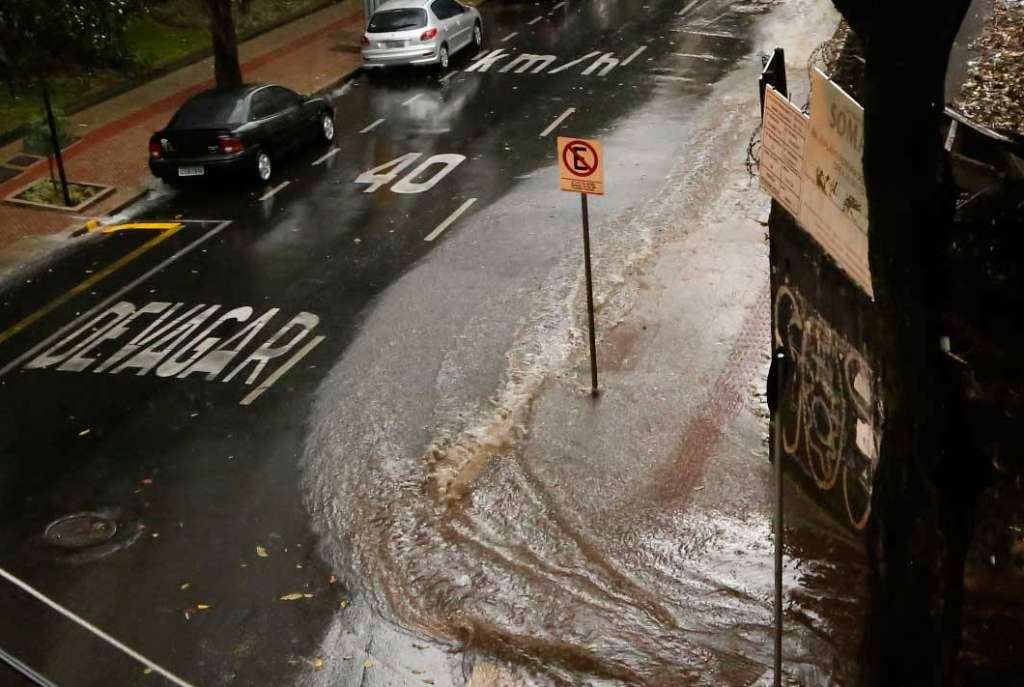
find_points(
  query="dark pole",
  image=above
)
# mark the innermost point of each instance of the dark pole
(55, 142)
(590, 295)
(777, 375)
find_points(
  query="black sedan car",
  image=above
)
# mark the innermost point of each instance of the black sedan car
(237, 132)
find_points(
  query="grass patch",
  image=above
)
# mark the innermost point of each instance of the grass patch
(50, 193)
(154, 45)
(170, 31)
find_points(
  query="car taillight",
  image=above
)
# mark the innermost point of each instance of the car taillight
(365, 41)
(230, 144)
(428, 34)
(154, 149)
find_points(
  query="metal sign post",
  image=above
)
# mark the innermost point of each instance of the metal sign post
(590, 294)
(581, 170)
(777, 374)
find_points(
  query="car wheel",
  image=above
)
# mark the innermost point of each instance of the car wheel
(443, 57)
(264, 168)
(478, 36)
(326, 128)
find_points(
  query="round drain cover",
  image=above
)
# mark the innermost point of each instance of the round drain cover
(80, 530)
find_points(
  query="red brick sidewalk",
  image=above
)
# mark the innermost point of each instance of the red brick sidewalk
(307, 55)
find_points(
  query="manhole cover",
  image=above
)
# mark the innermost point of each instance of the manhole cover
(80, 530)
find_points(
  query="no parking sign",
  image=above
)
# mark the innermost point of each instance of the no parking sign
(581, 165)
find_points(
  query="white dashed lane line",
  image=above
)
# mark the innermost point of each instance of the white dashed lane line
(510, 36)
(326, 156)
(272, 192)
(446, 77)
(411, 100)
(451, 220)
(558, 6)
(555, 124)
(535, 20)
(373, 126)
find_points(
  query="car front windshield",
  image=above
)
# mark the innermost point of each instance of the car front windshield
(397, 20)
(210, 110)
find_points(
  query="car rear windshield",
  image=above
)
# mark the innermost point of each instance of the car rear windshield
(397, 20)
(210, 110)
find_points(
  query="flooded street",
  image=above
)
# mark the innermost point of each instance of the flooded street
(549, 538)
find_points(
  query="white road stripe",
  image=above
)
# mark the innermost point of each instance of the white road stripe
(636, 53)
(446, 77)
(555, 124)
(575, 62)
(326, 156)
(368, 129)
(70, 326)
(272, 192)
(279, 372)
(93, 629)
(535, 20)
(711, 34)
(411, 100)
(689, 7)
(451, 220)
(558, 6)
(703, 56)
(510, 36)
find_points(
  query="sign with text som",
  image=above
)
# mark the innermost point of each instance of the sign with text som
(580, 166)
(834, 201)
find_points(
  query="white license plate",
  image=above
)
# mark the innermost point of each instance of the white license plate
(191, 171)
(395, 44)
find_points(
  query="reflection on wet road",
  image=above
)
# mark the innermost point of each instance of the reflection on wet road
(358, 385)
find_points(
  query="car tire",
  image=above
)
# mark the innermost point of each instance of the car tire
(443, 57)
(478, 36)
(326, 129)
(264, 166)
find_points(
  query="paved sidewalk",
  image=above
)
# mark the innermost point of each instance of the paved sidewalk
(307, 55)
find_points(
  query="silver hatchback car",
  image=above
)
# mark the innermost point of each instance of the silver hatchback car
(420, 32)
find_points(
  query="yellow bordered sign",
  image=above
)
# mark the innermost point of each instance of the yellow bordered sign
(580, 166)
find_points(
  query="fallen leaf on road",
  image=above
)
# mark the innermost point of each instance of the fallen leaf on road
(84, 432)
(295, 596)
(261, 552)
(202, 607)
(346, 658)
(186, 585)
(344, 603)
(147, 481)
(147, 671)
(318, 663)
(333, 579)
(368, 663)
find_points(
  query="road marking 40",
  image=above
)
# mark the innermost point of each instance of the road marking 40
(385, 174)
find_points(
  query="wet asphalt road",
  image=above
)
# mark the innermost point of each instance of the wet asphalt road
(201, 484)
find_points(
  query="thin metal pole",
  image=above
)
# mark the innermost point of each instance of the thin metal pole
(590, 294)
(778, 530)
(55, 142)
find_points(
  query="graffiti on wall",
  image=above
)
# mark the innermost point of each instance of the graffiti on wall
(832, 412)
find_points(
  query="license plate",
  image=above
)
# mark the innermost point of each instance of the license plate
(191, 171)
(395, 44)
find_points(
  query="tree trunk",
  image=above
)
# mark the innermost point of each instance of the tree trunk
(911, 203)
(226, 67)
